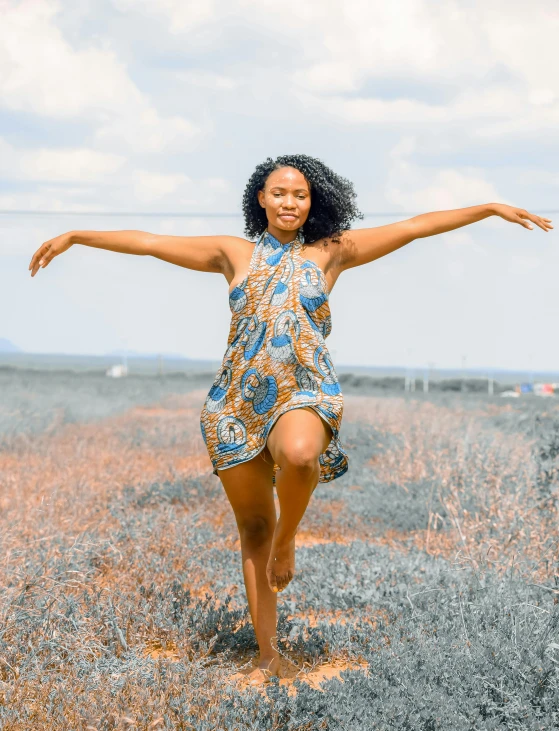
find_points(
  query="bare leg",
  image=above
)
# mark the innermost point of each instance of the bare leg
(295, 442)
(250, 491)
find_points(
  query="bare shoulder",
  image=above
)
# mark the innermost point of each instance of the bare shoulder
(232, 245)
(235, 248)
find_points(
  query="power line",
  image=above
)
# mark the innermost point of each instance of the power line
(159, 214)
(177, 214)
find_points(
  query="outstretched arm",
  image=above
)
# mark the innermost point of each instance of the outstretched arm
(203, 253)
(367, 244)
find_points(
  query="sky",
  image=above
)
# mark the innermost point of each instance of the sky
(166, 106)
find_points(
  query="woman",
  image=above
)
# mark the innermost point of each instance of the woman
(274, 411)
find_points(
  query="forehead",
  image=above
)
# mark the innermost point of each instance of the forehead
(287, 177)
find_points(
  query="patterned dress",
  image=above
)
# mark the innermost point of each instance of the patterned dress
(276, 359)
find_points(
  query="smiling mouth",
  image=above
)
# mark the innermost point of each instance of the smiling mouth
(287, 215)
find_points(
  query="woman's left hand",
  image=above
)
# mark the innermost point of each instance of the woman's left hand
(519, 215)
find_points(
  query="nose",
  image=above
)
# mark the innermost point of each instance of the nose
(289, 202)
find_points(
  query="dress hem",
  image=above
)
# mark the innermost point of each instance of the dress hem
(335, 439)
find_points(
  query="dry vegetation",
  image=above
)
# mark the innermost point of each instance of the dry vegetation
(427, 586)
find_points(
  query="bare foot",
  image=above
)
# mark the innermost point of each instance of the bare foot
(264, 672)
(281, 564)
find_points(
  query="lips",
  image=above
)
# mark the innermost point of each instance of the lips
(289, 216)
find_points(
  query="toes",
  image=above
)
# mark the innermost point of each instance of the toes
(283, 581)
(280, 579)
(272, 581)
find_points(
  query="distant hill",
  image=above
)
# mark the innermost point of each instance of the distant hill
(6, 346)
(138, 354)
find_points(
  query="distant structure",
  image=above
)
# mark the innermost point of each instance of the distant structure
(538, 389)
(117, 371)
(509, 394)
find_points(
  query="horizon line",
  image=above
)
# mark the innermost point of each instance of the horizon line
(417, 368)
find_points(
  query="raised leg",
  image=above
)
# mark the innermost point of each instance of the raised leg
(295, 442)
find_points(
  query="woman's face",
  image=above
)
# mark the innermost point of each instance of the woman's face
(286, 198)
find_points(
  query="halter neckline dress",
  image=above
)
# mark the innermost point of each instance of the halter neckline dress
(276, 359)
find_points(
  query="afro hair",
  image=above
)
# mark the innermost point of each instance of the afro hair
(332, 199)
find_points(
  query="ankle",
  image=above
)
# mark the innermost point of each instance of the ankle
(284, 535)
(268, 658)
(272, 666)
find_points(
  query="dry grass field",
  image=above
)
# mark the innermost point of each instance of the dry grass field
(427, 588)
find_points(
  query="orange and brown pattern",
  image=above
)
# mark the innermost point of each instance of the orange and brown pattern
(276, 359)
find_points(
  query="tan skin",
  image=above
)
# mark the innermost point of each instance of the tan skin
(299, 436)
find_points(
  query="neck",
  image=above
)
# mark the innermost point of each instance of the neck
(283, 236)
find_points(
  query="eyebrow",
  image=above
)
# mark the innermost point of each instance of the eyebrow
(280, 187)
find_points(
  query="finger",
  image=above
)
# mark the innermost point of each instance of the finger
(524, 223)
(36, 266)
(38, 254)
(544, 223)
(538, 220)
(527, 218)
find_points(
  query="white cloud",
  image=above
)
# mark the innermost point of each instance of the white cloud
(119, 185)
(492, 64)
(78, 164)
(145, 131)
(207, 80)
(179, 190)
(181, 15)
(416, 188)
(40, 72)
(523, 37)
(483, 113)
(150, 186)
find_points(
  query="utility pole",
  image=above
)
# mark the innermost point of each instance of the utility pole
(409, 384)
(426, 377)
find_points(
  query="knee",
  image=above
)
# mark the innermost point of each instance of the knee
(300, 455)
(255, 529)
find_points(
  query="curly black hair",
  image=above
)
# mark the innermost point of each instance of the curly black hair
(332, 199)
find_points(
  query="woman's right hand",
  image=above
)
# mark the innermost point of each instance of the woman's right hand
(47, 251)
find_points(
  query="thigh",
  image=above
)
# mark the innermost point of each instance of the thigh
(249, 487)
(300, 429)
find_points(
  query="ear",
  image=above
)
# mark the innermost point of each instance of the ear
(261, 198)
